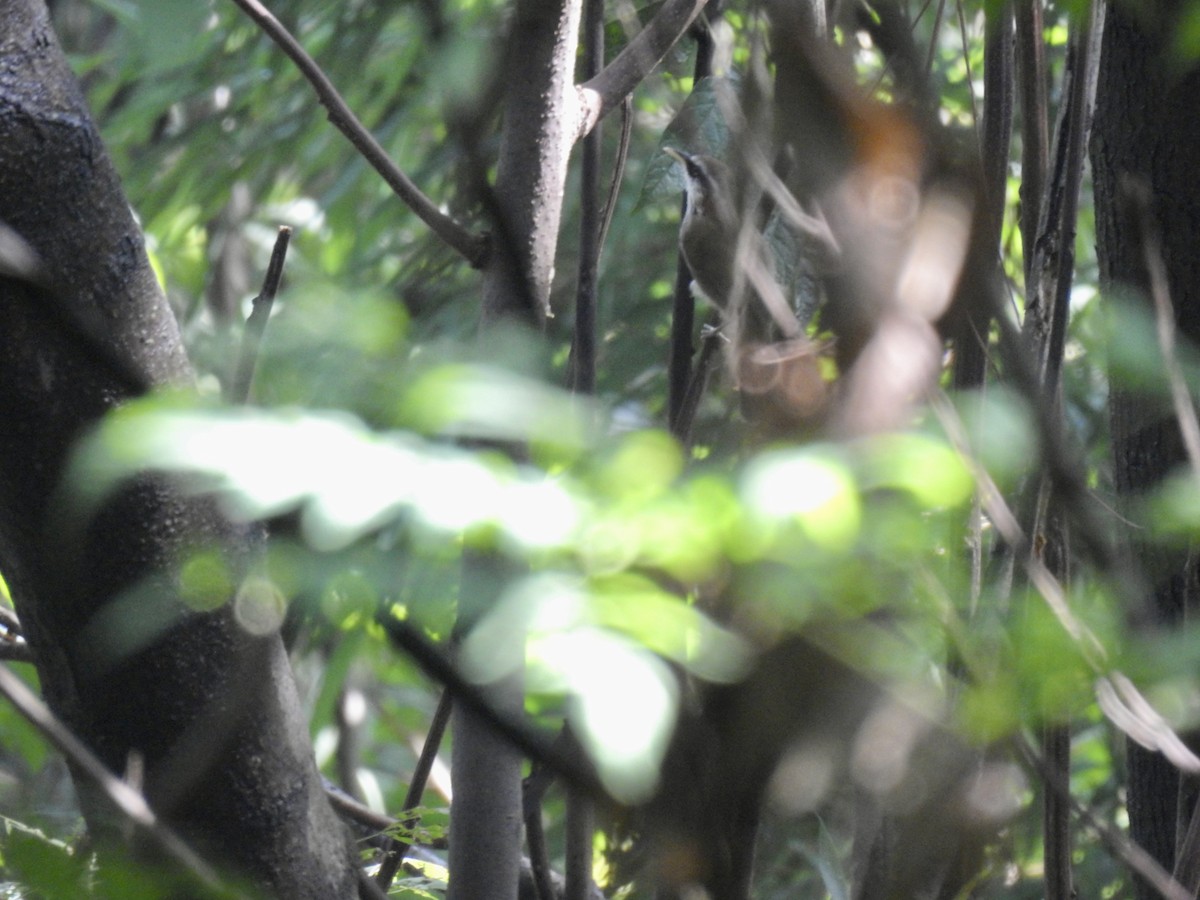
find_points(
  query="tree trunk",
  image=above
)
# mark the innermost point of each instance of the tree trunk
(1146, 128)
(211, 708)
(540, 126)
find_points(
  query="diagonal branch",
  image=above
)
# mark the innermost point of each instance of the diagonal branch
(129, 802)
(534, 743)
(1121, 846)
(602, 94)
(1138, 196)
(256, 324)
(472, 247)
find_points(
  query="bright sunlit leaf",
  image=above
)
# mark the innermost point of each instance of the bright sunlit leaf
(926, 468)
(347, 480)
(810, 488)
(623, 704)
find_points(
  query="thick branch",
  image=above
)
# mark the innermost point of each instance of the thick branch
(602, 94)
(473, 248)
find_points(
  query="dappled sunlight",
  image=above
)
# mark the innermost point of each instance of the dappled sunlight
(347, 480)
(810, 488)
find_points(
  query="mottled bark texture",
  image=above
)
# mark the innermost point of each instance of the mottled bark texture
(212, 709)
(1146, 128)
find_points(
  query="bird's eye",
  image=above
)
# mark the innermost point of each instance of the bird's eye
(694, 171)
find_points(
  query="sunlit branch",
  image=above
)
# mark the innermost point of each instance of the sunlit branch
(600, 95)
(472, 247)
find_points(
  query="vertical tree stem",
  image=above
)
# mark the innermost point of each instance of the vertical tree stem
(683, 310)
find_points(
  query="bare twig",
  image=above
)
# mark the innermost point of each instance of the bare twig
(1121, 846)
(351, 809)
(1009, 529)
(368, 889)
(962, 32)
(1035, 141)
(15, 650)
(683, 306)
(13, 646)
(256, 323)
(933, 36)
(614, 187)
(598, 96)
(131, 804)
(1056, 814)
(591, 218)
(581, 828)
(416, 788)
(356, 811)
(1116, 695)
(472, 247)
(1138, 194)
(539, 855)
(532, 742)
(681, 427)
(1057, 240)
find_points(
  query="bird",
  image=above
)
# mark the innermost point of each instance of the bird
(767, 352)
(708, 234)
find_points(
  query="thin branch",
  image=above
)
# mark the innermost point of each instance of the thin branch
(591, 218)
(933, 36)
(368, 889)
(351, 809)
(1082, 100)
(1009, 529)
(1138, 193)
(13, 646)
(683, 305)
(1035, 141)
(539, 854)
(15, 650)
(614, 187)
(962, 31)
(472, 247)
(534, 743)
(1121, 846)
(1187, 856)
(1056, 814)
(355, 810)
(681, 426)
(581, 829)
(256, 323)
(416, 788)
(131, 804)
(1117, 697)
(600, 95)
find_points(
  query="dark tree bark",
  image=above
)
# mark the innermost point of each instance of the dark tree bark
(210, 707)
(1146, 129)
